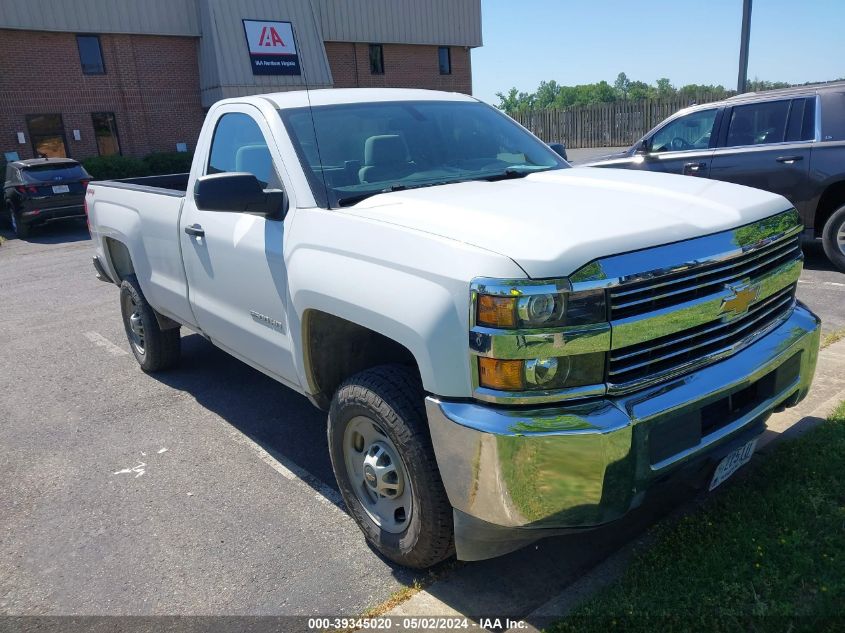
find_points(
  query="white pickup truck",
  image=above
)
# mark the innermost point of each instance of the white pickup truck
(507, 348)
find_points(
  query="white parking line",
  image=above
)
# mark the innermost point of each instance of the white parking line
(101, 341)
(287, 469)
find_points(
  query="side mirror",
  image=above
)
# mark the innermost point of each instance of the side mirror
(559, 149)
(643, 147)
(239, 193)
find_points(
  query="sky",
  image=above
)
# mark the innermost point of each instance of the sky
(688, 41)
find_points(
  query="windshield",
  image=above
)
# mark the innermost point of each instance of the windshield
(49, 173)
(362, 149)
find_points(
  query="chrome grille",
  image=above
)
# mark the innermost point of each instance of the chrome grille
(645, 296)
(708, 342)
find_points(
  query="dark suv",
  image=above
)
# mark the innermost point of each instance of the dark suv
(40, 190)
(790, 142)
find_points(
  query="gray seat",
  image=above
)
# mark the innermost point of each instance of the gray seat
(385, 158)
(256, 160)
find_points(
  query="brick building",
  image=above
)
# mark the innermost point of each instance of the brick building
(83, 78)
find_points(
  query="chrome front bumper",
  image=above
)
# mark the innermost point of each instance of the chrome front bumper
(513, 475)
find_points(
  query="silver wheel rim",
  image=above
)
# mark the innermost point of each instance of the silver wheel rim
(135, 324)
(377, 474)
(840, 238)
(13, 220)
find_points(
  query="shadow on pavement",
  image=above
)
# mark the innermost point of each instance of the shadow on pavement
(287, 424)
(516, 584)
(281, 421)
(815, 258)
(277, 418)
(60, 232)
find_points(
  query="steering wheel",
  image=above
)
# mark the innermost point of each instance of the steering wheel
(679, 144)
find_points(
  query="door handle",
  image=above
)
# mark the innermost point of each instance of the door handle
(788, 159)
(196, 230)
(690, 169)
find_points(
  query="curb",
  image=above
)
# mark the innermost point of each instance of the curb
(445, 597)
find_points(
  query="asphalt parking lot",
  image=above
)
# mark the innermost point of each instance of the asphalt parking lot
(206, 489)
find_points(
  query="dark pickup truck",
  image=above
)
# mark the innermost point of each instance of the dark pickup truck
(790, 142)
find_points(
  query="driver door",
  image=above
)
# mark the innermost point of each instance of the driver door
(233, 260)
(684, 145)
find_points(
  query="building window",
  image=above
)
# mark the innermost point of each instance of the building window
(376, 59)
(105, 131)
(47, 134)
(90, 54)
(444, 55)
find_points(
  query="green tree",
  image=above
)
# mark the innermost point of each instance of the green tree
(756, 85)
(664, 87)
(622, 85)
(550, 94)
(546, 94)
(515, 101)
(640, 90)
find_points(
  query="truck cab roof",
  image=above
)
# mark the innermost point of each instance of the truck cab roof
(335, 96)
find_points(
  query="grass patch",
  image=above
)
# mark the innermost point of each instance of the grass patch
(767, 554)
(833, 337)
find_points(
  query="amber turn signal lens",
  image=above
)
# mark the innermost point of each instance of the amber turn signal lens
(496, 311)
(505, 375)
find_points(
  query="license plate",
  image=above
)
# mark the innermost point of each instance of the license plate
(732, 462)
(60, 189)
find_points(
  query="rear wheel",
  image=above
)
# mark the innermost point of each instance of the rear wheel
(833, 238)
(154, 349)
(384, 463)
(21, 230)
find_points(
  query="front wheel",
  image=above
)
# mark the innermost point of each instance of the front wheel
(833, 238)
(154, 349)
(384, 463)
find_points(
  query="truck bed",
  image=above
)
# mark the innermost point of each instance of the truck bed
(167, 184)
(143, 214)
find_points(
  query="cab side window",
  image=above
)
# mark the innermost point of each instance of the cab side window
(239, 146)
(758, 123)
(692, 131)
(802, 120)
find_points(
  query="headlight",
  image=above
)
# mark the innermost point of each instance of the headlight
(537, 341)
(523, 309)
(538, 374)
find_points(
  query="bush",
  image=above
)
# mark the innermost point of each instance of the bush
(116, 166)
(168, 162)
(155, 164)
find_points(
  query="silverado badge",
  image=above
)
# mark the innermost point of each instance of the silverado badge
(743, 296)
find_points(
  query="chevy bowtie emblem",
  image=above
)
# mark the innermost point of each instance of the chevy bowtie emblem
(740, 300)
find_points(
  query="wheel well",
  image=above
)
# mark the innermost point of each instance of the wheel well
(832, 198)
(120, 258)
(336, 349)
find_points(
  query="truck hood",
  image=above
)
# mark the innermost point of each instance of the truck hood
(553, 223)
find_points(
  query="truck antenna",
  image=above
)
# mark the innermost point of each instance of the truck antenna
(313, 122)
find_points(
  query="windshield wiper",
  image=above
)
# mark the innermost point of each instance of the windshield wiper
(350, 200)
(509, 174)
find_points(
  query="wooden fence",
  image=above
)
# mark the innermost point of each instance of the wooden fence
(616, 124)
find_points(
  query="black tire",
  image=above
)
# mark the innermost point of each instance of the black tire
(158, 349)
(14, 220)
(392, 396)
(833, 247)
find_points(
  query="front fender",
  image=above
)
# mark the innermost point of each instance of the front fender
(409, 286)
